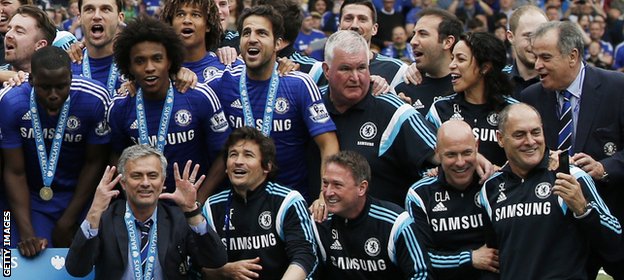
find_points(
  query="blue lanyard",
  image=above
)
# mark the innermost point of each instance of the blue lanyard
(164, 119)
(48, 165)
(134, 245)
(267, 120)
(113, 73)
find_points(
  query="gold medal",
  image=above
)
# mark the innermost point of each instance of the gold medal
(46, 193)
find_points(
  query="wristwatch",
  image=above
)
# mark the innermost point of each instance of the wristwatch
(195, 212)
(605, 176)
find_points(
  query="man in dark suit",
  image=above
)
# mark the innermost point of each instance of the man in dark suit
(582, 109)
(141, 235)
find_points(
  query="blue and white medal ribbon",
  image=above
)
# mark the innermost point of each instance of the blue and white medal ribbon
(164, 119)
(48, 165)
(267, 120)
(113, 73)
(134, 245)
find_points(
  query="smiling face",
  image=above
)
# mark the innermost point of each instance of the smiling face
(520, 39)
(556, 70)
(143, 182)
(244, 166)
(190, 23)
(149, 64)
(7, 10)
(464, 69)
(343, 195)
(457, 151)
(522, 138)
(99, 20)
(258, 46)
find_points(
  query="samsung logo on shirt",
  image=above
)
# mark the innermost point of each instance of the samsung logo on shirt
(48, 133)
(523, 210)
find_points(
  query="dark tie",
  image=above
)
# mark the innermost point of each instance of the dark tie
(145, 229)
(565, 119)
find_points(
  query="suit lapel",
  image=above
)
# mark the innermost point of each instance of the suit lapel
(590, 100)
(119, 226)
(164, 232)
(548, 108)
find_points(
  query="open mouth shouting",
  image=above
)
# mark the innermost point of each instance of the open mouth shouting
(97, 31)
(187, 32)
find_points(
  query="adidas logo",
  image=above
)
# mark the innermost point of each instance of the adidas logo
(236, 104)
(26, 117)
(134, 125)
(418, 104)
(336, 246)
(439, 207)
(501, 197)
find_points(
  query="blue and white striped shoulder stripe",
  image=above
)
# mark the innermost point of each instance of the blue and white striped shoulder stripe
(402, 227)
(606, 218)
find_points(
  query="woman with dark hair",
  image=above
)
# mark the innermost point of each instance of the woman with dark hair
(481, 90)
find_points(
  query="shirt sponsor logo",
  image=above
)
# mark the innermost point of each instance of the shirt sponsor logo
(264, 220)
(523, 210)
(250, 242)
(183, 117)
(368, 131)
(457, 223)
(279, 125)
(543, 190)
(281, 105)
(172, 138)
(346, 263)
(484, 134)
(318, 113)
(372, 247)
(48, 133)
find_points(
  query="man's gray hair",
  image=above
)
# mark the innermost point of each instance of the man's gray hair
(570, 37)
(140, 151)
(346, 40)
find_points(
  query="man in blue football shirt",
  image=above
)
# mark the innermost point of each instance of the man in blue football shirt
(55, 133)
(189, 126)
(289, 108)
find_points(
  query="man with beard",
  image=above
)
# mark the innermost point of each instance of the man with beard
(287, 108)
(435, 34)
